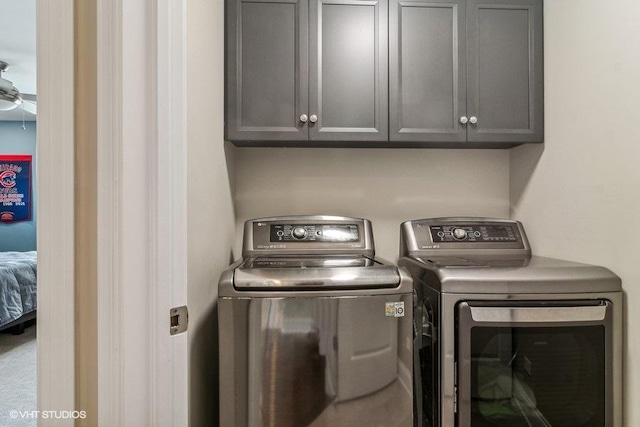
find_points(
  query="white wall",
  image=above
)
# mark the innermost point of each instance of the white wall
(385, 186)
(211, 220)
(579, 197)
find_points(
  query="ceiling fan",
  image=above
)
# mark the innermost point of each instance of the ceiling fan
(10, 96)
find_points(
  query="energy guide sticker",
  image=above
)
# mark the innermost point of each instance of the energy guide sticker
(394, 309)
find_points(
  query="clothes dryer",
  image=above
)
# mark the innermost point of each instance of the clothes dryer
(506, 338)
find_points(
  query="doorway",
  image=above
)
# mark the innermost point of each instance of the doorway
(18, 214)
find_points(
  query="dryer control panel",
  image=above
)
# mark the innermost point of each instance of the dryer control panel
(463, 237)
(473, 233)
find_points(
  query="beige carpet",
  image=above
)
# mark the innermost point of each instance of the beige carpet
(18, 378)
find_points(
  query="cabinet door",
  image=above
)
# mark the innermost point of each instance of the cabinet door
(348, 88)
(504, 77)
(427, 75)
(267, 70)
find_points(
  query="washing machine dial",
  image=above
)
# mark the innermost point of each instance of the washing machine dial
(299, 233)
(459, 233)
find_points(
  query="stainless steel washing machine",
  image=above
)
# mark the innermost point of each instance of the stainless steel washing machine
(506, 338)
(313, 330)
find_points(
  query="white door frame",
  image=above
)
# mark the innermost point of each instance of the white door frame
(141, 192)
(171, 204)
(55, 214)
(142, 249)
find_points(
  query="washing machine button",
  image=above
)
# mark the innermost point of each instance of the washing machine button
(299, 233)
(459, 233)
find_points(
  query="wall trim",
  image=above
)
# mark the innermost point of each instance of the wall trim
(55, 215)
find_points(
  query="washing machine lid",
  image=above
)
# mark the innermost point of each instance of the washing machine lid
(312, 272)
(524, 275)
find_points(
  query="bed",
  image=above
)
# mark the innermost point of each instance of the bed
(18, 284)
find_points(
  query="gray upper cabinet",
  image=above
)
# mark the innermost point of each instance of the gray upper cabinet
(465, 73)
(384, 73)
(427, 78)
(348, 86)
(267, 78)
(300, 70)
(505, 71)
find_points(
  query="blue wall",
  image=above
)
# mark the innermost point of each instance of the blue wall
(15, 140)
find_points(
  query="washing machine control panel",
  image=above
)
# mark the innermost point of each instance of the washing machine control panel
(308, 235)
(327, 233)
(481, 233)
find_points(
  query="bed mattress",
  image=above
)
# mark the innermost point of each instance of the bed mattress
(18, 284)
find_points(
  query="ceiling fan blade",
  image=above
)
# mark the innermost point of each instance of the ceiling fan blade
(29, 97)
(5, 85)
(29, 107)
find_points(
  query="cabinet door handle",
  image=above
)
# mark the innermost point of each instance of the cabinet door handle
(473, 120)
(464, 120)
(313, 118)
(303, 118)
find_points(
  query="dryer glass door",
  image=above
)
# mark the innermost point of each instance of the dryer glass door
(543, 364)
